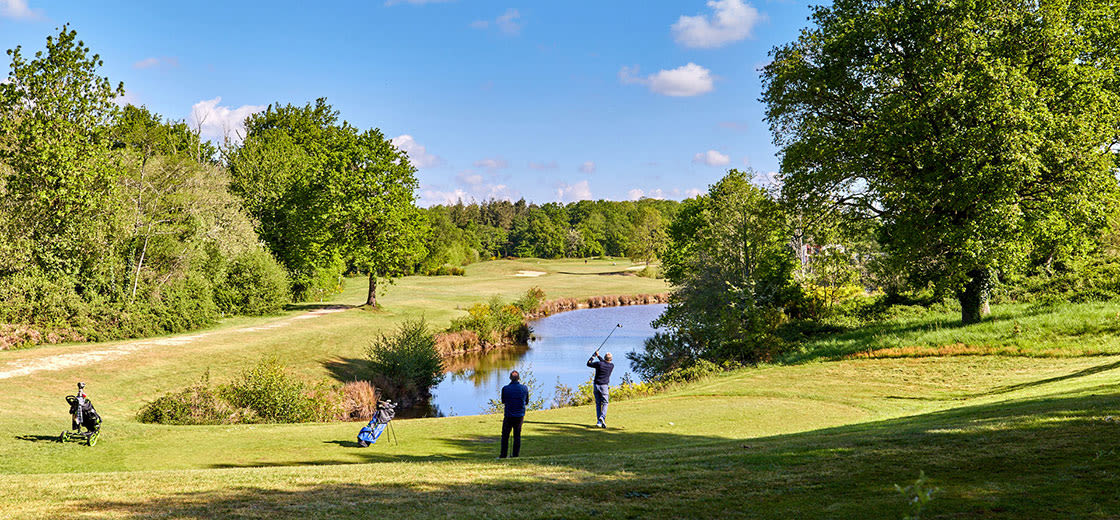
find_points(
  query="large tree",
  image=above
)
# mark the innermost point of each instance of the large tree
(55, 112)
(322, 190)
(978, 131)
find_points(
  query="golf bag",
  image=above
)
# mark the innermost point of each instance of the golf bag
(82, 415)
(88, 418)
(372, 431)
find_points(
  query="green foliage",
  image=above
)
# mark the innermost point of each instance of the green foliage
(254, 285)
(113, 223)
(497, 322)
(732, 269)
(197, 404)
(918, 496)
(54, 112)
(266, 393)
(321, 189)
(405, 364)
(980, 134)
(272, 393)
(498, 228)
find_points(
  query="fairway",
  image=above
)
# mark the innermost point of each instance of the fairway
(819, 439)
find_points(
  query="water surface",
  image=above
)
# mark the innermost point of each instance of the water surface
(558, 351)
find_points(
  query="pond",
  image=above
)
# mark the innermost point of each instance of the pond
(558, 352)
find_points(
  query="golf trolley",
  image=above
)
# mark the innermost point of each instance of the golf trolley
(82, 415)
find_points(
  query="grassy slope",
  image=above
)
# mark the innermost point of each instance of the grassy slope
(1004, 437)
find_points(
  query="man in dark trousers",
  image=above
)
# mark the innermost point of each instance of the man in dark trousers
(602, 382)
(514, 396)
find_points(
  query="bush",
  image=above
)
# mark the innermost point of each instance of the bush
(405, 364)
(197, 404)
(254, 285)
(496, 322)
(447, 270)
(270, 391)
(359, 400)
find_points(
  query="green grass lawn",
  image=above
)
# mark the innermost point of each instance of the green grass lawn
(1012, 436)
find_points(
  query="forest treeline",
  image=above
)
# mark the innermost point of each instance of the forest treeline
(467, 232)
(117, 222)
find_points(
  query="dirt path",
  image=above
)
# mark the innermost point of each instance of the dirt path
(63, 361)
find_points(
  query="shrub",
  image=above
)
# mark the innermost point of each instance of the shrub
(359, 400)
(406, 364)
(531, 300)
(447, 270)
(197, 404)
(254, 285)
(270, 391)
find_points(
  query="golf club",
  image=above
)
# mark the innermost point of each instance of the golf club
(616, 327)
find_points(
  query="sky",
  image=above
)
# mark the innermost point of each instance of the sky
(547, 101)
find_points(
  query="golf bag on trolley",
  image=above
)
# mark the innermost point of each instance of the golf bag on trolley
(82, 415)
(381, 418)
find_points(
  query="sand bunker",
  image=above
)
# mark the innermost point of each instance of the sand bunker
(76, 359)
(530, 273)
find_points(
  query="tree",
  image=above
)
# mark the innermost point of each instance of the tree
(976, 131)
(648, 235)
(373, 214)
(55, 111)
(731, 267)
(321, 190)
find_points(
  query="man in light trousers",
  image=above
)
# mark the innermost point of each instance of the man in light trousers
(603, 368)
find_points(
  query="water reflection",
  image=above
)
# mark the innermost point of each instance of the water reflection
(557, 354)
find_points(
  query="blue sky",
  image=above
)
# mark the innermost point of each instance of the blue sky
(550, 101)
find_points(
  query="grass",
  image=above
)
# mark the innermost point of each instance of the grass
(1001, 436)
(1063, 330)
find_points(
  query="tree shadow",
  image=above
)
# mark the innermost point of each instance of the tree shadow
(1048, 457)
(316, 306)
(345, 370)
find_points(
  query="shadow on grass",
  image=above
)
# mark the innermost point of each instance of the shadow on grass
(622, 272)
(1052, 457)
(316, 306)
(346, 370)
(37, 438)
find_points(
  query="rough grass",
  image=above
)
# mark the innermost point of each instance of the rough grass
(1062, 330)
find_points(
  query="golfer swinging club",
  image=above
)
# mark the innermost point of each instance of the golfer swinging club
(602, 381)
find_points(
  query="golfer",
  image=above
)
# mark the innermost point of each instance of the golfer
(514, 396)
(603, 368)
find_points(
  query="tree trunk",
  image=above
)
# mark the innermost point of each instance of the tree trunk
(371, 299)
(974, 297)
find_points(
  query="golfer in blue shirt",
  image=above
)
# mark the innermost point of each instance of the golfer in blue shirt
(514, 396)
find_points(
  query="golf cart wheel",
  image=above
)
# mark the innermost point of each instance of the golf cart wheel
(93, 438)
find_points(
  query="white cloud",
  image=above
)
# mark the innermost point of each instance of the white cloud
(492, 163)
(689, 80)
(509, 23)
(711, 158)
(550, 165)
(572, 192)
(470, 185)
(588, 167)
(129, 98)
(153, 61)
(692, 192)
(19, 10)
(732, 21)
(417, 153)
(214, 121)
(635, 193)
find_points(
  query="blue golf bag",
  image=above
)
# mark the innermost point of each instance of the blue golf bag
(372, 431)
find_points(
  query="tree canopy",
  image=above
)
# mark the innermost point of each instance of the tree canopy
(325, 193)
(979, 132)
